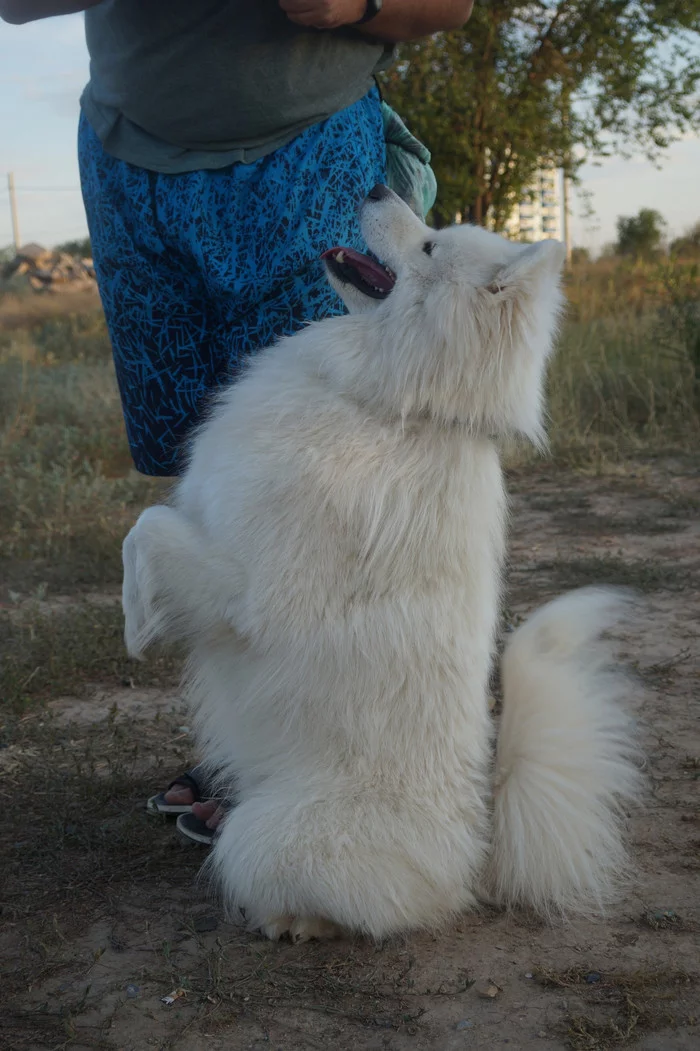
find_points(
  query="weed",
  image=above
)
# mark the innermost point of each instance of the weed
(621, 1006)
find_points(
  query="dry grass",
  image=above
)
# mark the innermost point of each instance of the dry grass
(79, 847)
(626, 381)
(604, 288)
(61, 650)
(67, 488)
(644, 575)
(619, 1007)
(21, 308)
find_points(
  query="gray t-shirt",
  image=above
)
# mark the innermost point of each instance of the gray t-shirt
(181, 85)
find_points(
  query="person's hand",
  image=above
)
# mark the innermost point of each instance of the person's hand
(324, 14)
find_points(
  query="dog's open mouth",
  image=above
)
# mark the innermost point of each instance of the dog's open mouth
(361, 271)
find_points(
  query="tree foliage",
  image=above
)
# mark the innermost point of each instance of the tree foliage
(640, 235)
(688, 244)
(546, 83)
(81, 248)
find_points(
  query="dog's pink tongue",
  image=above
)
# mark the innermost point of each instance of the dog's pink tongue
(367, 268)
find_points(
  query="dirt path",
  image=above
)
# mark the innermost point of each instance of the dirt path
(103, 916)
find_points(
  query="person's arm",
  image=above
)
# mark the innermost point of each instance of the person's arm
(397, 20)
(17, 12)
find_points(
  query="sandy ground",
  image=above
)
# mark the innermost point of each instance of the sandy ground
(93, 973)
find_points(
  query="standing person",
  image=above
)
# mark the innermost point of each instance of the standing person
(223, 146)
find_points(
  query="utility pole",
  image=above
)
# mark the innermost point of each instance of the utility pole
(13, 209)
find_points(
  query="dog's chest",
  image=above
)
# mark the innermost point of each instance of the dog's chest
(393, 519)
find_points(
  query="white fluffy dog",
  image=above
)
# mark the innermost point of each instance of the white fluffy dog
(332, 557)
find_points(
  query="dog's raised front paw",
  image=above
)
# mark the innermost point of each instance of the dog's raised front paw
(141, 620)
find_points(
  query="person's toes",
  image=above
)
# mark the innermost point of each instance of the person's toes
(179, 796)
(205, 811)
(216, 818)
(210, 812)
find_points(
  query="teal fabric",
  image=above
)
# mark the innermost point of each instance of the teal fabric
(408, 164)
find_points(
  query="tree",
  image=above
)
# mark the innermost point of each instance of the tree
(83, 248)
(640, 235)
(545, 83)
(687, 246)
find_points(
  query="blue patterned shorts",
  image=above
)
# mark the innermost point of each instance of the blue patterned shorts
(197, 271)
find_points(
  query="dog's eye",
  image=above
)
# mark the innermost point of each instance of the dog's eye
(428, 247)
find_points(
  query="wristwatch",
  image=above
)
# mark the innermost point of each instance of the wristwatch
(371, 11)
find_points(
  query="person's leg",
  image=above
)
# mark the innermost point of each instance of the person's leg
(155, 305)
(158, 315)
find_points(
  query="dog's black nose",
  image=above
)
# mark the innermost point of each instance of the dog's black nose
(379, 192)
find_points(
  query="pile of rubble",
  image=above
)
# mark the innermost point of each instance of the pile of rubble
(47, 270)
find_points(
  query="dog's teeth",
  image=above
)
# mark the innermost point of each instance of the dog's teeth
(340, 257)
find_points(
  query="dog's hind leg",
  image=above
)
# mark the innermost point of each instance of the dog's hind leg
(171, 588)
(299, 930)
(308, 859)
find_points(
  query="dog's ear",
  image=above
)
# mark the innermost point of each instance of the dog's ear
(543, 260)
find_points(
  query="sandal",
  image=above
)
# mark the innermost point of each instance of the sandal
(195, 830)
(193, 779)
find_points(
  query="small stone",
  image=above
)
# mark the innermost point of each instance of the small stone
(529, 974)
(132, 991)
(464, 1024)
(592, 977)
(489, 990)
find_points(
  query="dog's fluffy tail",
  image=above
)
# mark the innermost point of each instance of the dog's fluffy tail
(566, 761)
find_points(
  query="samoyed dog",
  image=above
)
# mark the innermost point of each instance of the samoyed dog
(332, 558)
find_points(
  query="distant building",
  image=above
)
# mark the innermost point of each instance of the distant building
(538, 216)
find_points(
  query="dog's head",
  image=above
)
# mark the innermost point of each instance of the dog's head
(463, 320)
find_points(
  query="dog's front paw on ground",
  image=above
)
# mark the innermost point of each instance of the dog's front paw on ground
(309, 928)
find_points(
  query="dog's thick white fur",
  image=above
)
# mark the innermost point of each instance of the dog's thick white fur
(333, 558)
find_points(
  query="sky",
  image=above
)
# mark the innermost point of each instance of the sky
(44, 65)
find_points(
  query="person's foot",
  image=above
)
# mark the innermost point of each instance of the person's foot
(188, 796)
(189, 788)
(201, 825)
(179, 796)
(210, 813)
